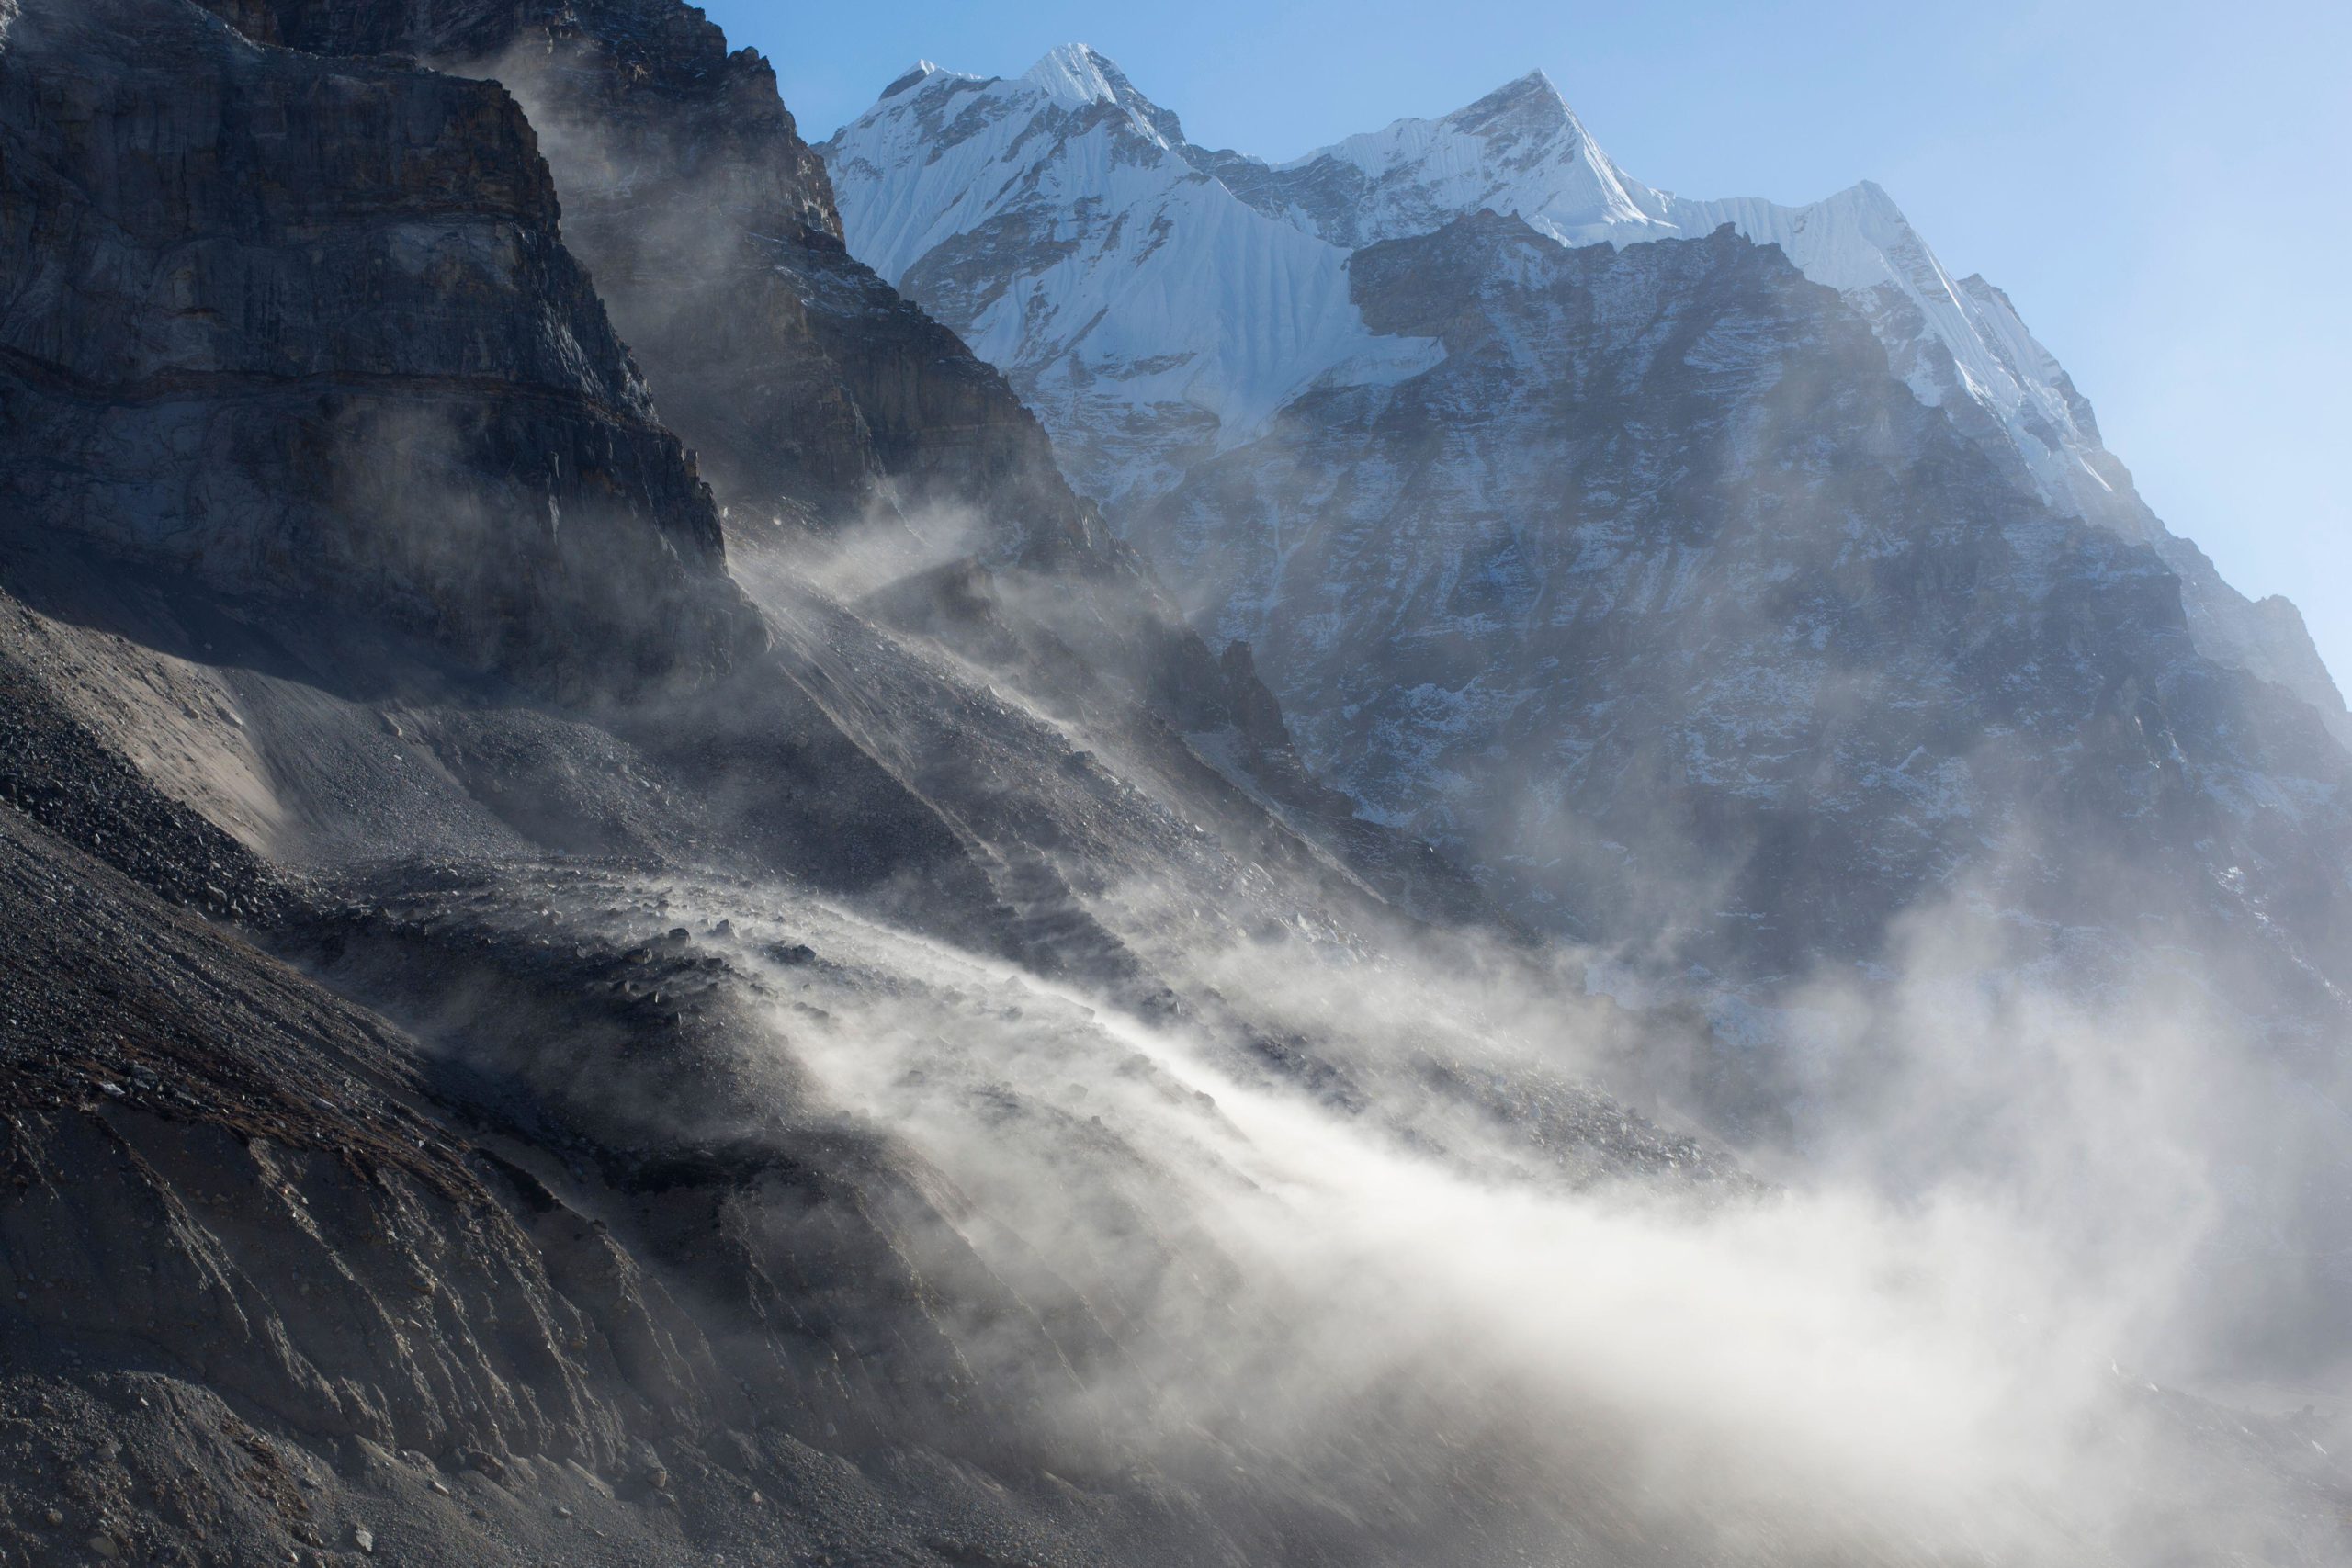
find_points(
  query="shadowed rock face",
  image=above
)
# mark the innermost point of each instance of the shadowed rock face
(344, 534)
(311, 331)
(815, 391)
(815, 396)
(811, 389)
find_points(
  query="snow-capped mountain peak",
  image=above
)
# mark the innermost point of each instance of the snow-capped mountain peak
(1520, 149)
(1059, 222)
(912, 76)
(1073, 76)
(1154, 300)
(1536, 85)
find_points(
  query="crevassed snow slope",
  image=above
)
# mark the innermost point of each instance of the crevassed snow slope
(1054, 222)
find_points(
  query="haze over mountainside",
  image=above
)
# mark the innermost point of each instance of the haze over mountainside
(1841, 575)
(634, 937)
(1725, 584)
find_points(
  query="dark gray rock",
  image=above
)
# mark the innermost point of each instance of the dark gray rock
(311, 331)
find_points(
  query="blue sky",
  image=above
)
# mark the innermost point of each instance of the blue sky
(2162, 188)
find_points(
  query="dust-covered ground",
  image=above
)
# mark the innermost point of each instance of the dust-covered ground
(391, 1153)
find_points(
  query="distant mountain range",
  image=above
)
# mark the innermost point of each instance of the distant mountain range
(1156, 300)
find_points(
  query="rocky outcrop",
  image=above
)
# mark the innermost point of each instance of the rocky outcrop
(309, 331)
(811, 392)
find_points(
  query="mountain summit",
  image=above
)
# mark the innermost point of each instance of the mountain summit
(1059, 221)
(1074, 75)
(1521, 149)
(1067, 268)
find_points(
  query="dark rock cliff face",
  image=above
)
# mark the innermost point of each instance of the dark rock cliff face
(391, 1171)
(811, 391)
(710, 227)
(814, 396)
(311, 331)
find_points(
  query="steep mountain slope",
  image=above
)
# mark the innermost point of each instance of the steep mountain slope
(1742, 596)
(556, 1273)
(848, 1040)
(1521, 150)
(596, 1254)
(821, 403)
(1404, 549)
(1958, 343)
(1706, 629)
(710, 227)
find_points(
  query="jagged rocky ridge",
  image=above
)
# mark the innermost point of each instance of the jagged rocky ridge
(1158, 300)
(537, 1029)
(432, 885)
